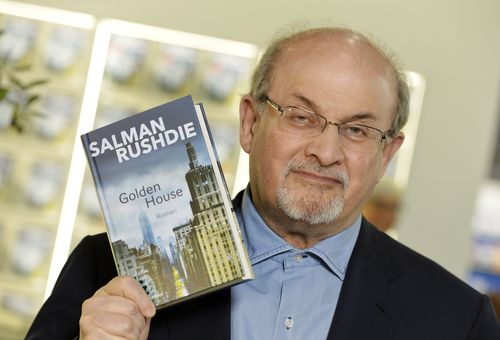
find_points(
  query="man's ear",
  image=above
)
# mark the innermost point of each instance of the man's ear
(389, 150)
(248, 119)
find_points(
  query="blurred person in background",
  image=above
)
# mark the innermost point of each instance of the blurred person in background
(384, 205)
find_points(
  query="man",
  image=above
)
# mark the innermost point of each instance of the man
(321, 123)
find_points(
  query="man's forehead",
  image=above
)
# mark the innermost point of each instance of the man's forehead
(342, 55)
(337, 51)
(335, 43)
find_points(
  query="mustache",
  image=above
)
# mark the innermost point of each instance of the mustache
(338, 174)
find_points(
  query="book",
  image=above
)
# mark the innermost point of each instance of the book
(166, 206)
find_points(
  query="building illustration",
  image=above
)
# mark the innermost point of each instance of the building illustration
(203, 253)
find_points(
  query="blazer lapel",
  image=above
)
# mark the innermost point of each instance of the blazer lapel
(367, 307)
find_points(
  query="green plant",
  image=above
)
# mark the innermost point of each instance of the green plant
(18, 94)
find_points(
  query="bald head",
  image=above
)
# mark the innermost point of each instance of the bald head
(354, 45)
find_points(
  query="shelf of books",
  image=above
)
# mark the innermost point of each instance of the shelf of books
(70, 73)
(485, 262)
(485, 257)
(42, 77)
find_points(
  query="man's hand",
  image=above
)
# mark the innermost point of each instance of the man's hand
(119, 310)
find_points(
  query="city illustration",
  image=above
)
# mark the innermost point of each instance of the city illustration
(201, 254)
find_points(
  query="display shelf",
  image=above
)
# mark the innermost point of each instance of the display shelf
(36, 43)
(19, 301)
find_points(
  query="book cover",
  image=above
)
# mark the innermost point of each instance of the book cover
(167, 209)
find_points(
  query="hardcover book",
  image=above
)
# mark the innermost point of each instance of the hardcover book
(167, 209)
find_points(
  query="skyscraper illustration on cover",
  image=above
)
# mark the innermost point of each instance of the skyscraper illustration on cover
(165, 203)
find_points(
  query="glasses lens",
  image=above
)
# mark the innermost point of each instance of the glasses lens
(359, 138)
(358, 133)
(298, 121)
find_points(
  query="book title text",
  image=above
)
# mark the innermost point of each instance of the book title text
(142, 140)
(152, 195)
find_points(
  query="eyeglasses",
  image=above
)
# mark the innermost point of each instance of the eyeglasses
(302, 122)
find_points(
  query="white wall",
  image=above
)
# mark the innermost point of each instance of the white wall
(454, 43)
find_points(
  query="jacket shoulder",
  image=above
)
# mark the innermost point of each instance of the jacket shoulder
(433, 298)
(419, 269)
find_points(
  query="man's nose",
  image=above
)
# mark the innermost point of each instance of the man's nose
(327, 146)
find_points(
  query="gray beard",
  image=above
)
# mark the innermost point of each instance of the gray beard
(316, 206)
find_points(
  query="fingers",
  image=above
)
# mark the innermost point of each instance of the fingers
(130, 289)
(119, 310)
(114, 315)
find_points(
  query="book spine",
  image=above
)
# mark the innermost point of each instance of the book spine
(226, 198)
(207, 133)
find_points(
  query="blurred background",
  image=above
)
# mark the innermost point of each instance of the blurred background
(69, 66)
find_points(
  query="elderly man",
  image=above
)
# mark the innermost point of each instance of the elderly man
(321, 124)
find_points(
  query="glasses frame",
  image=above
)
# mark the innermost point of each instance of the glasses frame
(384, 135)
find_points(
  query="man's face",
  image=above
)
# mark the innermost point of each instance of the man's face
(316, 181)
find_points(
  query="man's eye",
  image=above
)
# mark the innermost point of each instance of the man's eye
(301, 118)
(354, 131)
(297, 116)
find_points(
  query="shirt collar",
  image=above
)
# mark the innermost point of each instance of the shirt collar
(263, 243)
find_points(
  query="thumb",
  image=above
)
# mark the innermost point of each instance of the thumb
(145, 331)
(147, 308)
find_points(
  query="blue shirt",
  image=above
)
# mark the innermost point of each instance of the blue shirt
(295, 292)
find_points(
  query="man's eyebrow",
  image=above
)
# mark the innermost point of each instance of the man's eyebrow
(307, 102)
(359, 116)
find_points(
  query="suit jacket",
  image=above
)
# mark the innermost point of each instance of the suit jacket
(389, 292)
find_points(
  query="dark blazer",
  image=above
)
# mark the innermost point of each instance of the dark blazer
(389, 292)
